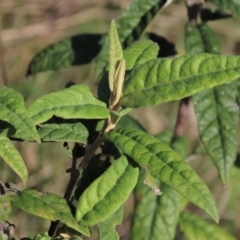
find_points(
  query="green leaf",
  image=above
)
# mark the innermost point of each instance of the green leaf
(127, 121)
(139, 53)
(165, 165)
(5, 207)
(213, 14)
(130, 25)
(195, 228)
(210, 39)
(74, 102)
(231, 6)
(77, 50)
(75, 132)
(167, 79)
(13, 111)
(12, 157)
(107, 227)
(156, 216)
(48, 206)
(107, 193)
(193, 40)
(217, 113)
(115, 53)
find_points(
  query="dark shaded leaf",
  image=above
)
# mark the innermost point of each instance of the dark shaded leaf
(77, 50)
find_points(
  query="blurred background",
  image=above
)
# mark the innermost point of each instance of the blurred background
(27, 26)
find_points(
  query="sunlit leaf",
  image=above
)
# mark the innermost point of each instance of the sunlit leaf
(13, 111)
(156, 216)
(216, 110)
(196, 228)
(130, 26)
(139, 53)
(165, 165)
(12, 157)
(107, 193)
(167, 79)
(49, 206)
(74, 102)
(115, 53)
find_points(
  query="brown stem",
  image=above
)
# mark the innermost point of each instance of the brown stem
(181, 118)
(53, 230)
(193, 10)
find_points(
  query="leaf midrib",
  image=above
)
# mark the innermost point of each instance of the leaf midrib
(186, 79)
(206, 202)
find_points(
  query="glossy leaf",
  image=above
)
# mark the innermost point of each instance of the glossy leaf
(156, 216)
(107, 193)
(167, 79)
(12, 157)
(75, 132)
(196, 228)
(217, 113)
(231, 6)
(5, 207)
(77, 50)
(139, 53)
(74, 102)
(115, 53)
(130, 26)
(107, 227)
(165, 165)
(213, 14)
(13, 112)
(48, 206)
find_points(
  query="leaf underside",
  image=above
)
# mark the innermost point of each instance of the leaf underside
(165, 165)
